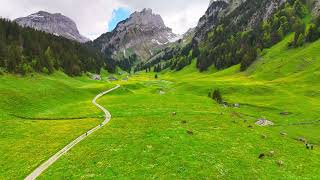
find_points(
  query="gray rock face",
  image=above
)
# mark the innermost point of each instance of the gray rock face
(56, 24)
(315, 4)
(235, 11)
(142, 33)
(216, 10)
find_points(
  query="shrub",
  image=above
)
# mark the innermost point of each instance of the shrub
(45, 70)
(2, 71)
(26, 69)
(217, 96)
(300, 40)
(312, 33)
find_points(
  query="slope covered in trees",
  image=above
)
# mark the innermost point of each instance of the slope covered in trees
(236, 40)
(25, 50)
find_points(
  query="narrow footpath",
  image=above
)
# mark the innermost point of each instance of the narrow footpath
(37, 172)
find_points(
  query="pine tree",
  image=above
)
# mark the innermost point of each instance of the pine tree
(300, 40)
(299, 8)
(313, 34)
(299, 29)
(14, 59)
(49, 60)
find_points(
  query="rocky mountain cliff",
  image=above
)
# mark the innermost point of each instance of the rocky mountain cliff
(56, 24)
(244, 13)
(142, 34)
(315, 5)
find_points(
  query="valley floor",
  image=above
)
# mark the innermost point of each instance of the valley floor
(146, 140)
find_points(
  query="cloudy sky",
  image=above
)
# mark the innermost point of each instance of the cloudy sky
(95, 17)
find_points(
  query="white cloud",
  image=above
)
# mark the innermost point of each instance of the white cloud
(92, 16)
(180, 15)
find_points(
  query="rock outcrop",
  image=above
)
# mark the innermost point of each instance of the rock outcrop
(56, 24)
(142, 34)
(315, 5)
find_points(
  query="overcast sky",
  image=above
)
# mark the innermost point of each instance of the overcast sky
(93, 16)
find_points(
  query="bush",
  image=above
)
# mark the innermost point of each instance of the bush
(312, 34)
(2, 71)
(45, 70)
(300, 40)
(26, 69)
(217, 96)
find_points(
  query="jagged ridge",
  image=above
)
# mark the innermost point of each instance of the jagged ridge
(141, 34)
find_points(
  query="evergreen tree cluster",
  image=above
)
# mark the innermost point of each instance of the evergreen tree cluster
(175, 58)
(226, 45)
(157, 68)
(303, 34)
(25, 50)
(127, 63)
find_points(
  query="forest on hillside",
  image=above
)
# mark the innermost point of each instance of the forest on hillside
(25, 50)
(233, 42)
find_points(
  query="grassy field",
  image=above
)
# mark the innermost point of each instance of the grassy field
(41, 114)
(205, 140)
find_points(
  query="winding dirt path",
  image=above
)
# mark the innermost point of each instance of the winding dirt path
(63, 151)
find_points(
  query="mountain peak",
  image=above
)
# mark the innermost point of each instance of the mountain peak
(56, 24)
(147, 11)
(145, 18)
(141, 33)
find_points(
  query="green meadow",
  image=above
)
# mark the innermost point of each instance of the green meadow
(206, 140)
(41, 114)
(144, 139)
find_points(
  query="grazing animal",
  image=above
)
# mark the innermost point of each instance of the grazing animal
(302, 139)
(190, 132)
(184, 122)
(283, 133)
(280, 163)
(174, 114)
(261, 156)
(309, 146)
(271, 153)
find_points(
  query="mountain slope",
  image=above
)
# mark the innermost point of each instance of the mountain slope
(244, 13)
(56, 24)
(235, 32)
(26, 50)
(141, 34)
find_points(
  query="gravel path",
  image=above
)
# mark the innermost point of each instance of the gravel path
(63, 151)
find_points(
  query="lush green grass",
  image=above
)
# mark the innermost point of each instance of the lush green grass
(41, 114)
(144, 140)
(26, 138)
